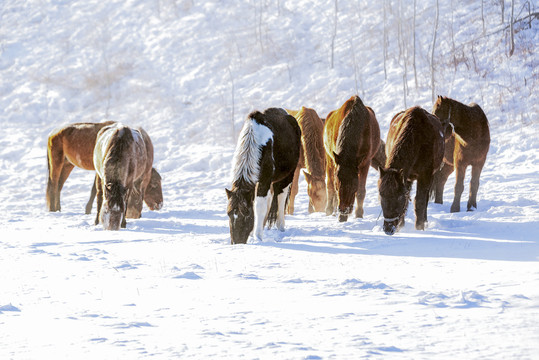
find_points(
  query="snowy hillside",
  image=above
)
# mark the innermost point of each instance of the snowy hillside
(188, 71)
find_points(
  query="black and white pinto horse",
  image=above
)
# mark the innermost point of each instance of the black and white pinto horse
(266, 156)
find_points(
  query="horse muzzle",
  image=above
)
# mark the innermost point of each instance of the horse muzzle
(390, 225)
(343, 214)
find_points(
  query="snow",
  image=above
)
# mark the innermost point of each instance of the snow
(171, 285)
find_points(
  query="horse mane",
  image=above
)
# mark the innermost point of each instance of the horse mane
(352, 124)
(254, 134)
(120, 140)
(403, 149)
(312, 130)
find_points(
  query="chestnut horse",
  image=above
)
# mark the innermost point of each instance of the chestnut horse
(468, 145)
(351, 140)
(265, 159)
(414, 149)
(312, 159)
(73, 145)
(123, 163)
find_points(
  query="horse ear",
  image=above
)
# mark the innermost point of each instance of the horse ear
(228, 193)
(336, 157)
(308, 176)
(401, 175)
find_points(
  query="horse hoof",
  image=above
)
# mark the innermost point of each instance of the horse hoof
(343, 218)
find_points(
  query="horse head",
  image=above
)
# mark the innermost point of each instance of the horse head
(114, 205)
(316, 189)
(442, 109)
(394, 198)
(346, 184)
(153, 197)
(241, 215)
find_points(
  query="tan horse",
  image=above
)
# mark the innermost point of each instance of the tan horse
(467, 146)
(312, 159)
(73, 145)
(351, 140)
(123, 163)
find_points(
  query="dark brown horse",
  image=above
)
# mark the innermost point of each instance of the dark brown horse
(414, 149)
(468, 145)
(351, 140)
(266, 157)
(123, 163)
(73, 145)
(312, 158)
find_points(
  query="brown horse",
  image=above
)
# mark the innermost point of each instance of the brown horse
(123, 163)
(73, 145)
(312, 158)
(468, 145)
(351, 140)
(414, 149)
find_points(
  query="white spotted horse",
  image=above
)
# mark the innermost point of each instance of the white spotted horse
(265, 159)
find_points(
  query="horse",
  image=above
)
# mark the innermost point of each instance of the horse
(266, 156)
(73, 145)
(468, 145)
(312, 158)
(414, 149)
(351, 140)
(123, 163)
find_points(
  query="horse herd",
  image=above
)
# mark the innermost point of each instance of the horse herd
(273, 147)
(336, 153)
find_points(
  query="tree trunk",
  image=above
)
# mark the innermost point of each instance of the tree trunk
(511, 28)
(413, 56)
(334, 34)
(432, 50)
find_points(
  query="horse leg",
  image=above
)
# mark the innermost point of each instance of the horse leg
(440, 178)
(421, 201)
(92, 197)
(99, 195)
(360, 195)
(460, 171)
(474, 184)
(261, 205)
(330, 186)
(64, 174)
(123, 225)
(294, 192)
(55, 158)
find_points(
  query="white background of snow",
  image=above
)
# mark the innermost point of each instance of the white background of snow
(170, 285)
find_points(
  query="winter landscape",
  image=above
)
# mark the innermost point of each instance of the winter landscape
(170, 285)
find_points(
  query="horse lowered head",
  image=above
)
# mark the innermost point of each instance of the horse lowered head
(153, 197)
(316, 189)
(394, 199)
(113, 207)
(346, 185)
(241, 215)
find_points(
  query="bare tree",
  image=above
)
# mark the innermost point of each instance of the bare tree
(413, 56)
(432, 50)
(385, 40)
(483, 15)
(334, 35)
(502, 2)
(511, 28)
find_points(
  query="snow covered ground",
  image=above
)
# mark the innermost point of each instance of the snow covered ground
(171, 285)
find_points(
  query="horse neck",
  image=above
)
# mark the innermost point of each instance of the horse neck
(403, 153)
(313, 144)
(350, 131)
(248, 152)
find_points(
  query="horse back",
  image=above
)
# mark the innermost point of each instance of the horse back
(286, 141)
(120, 154)
(76, 142)
(415, 142)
